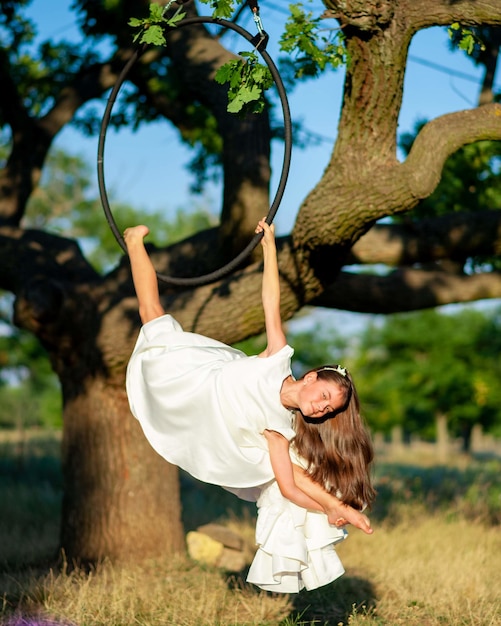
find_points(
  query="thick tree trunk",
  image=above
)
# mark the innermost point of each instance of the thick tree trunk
(121, 500)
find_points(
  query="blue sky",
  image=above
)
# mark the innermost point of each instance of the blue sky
(146, 168)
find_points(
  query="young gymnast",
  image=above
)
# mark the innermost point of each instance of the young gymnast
(298, 447)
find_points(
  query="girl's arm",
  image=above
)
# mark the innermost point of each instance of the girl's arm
(295, 485)
(275, 336)
(334, 508)
(281, 464)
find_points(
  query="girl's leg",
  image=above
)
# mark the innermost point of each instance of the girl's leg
(143, 274)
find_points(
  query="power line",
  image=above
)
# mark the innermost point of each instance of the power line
(446, 70)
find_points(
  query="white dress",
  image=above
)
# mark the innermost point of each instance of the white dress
(204, 406)
(295, 546)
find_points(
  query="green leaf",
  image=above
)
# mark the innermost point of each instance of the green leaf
(466, 39)
(313, 52)
(175, 19)
(248, 95)
(225, 72)
(247, 81)
(154, 35)
(156, 11)
(235, 106)
(151, 29)
(221, 8)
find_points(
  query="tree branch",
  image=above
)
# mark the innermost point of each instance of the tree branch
(426, 13)
(13, 111)
(25, 254)
(457, 236)
(440, 138)
(33, 137)
(88, 84)
(407, 290)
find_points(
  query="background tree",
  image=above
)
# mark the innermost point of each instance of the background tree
(418, 368)
(120, 499)
(29, 390)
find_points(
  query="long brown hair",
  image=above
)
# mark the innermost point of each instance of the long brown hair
(338, 448)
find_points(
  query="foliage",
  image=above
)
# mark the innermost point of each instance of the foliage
(314, 345)
(66, 203)
(29, 390)
(31, 492)
(482, 46)
(416, 366)
(472, 492)
(412, 367)
(466, 39)
(151, 29)
(252, 345)
(38, 77)
(320, 345)
(221, 8)
(470, 180)
(312, 52)
(40, 72)
(247, 80)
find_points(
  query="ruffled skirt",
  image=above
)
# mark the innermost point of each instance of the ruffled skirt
(295, 546)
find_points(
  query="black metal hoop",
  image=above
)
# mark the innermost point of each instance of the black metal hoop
(226, 269)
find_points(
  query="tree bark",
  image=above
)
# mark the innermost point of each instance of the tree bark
(121, 500)
(456, 235)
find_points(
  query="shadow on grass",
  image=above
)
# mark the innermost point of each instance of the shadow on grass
(473, 492)
(334, 603)
(31, 495)
(331, 604)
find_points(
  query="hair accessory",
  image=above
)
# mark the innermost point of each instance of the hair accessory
(338, 369)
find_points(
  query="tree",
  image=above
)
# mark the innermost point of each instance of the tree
(418, 367)
(120, 499)
(29, 390)
(64, 203)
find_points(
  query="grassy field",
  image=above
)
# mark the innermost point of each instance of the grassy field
(435, 557)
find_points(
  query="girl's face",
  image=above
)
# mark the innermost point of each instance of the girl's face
(318, 397)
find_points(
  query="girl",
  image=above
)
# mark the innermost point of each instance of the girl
(297, 447)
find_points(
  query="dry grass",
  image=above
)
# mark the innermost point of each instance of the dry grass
(434, 559)
(177, 592)
(429, 570)
(423, 571)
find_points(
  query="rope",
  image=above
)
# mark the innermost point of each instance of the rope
(229, 267)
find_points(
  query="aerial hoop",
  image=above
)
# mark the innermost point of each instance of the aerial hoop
(226, 269)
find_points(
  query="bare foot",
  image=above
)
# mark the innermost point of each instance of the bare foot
(135, 233)
(343, 514)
